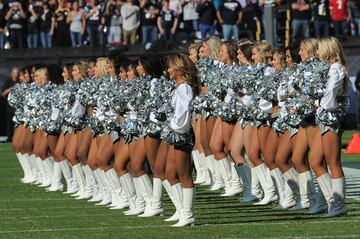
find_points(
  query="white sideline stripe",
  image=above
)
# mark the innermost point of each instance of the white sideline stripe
(203, 225)
(38, 199)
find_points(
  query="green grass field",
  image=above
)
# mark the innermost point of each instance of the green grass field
(27, 211)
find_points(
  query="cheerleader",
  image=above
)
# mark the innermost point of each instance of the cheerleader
(198, 151)
(285, 193)
(261, 55)
(332, 108)
(305, 136)
(209, 48)
(242, 133)
(220, 140)
(16, 100)
(60, 165)
(178, 167)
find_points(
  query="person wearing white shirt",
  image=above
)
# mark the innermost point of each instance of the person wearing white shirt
(183, 71)
(332, 183)
(130, 21)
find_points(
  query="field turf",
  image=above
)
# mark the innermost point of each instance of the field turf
(27, 211)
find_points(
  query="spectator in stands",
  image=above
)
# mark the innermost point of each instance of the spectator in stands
(2, 26)
(150, 9)
(300, 19)
(248, 24)
(190, 18)
(167, 22)
(77, 21)
(114, 13)
(207, 18)
(340, 15)
(33, 16)
(175, 5)
(355, 14)
(321, 15)
(47, 26)
(15, 16)
(14, 77)
(229, 15)
(62, 32)
(93, 24)
(131, 20)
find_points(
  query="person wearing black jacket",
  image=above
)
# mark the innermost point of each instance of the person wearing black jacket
(321, 15)
(15, 16)
(207, 18)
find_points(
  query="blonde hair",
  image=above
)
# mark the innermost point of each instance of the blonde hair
(244, 41)
(214, 44)
(311, 45)
(195, 46)
(331, 51)
(265, 50)
(183, 64)
(103, 62)
(282, 57)
(43, 73)
(83, 67)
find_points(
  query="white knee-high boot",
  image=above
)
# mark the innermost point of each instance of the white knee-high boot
(236, 182)
(48, 168)
(256, 190)
(199, 175)
(139, 200)
(127, 184)
(175, 201)
(338, 207)
(32, 159)
(216, 175)
(118, 199)
(244, 173)
(106, 199)
(71, 184)
(205, 171)
(155, 207)
(284, 191)
(267, 184)
(98, 193)
(24, 160)
(224, 166)
(56, 184)
(80, 179)
(186, 213)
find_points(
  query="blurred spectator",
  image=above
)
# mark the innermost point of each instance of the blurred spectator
(355, 14)
(47, 26)
(93, 26)
(2, 25)
(167, 22)
(114, 12)
(14, 76)
(321, 13)
(248, 24)
(175, 5)
(131, 20)
(77, 21)
(150, 9)
(300, 19)
(340, 14)
(190, 17)
(14, 17)
(207, 18)
(229, 15)
(33, 17)
(62, 32)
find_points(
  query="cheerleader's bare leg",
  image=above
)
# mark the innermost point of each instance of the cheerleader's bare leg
(202, 145)
(257, 141)
(182, 157)
(141, 180)
(83, 149)
(217, 147)
(60, 149)
(46, 163)
(331, 143)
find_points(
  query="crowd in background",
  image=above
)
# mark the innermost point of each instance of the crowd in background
(47, 23)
